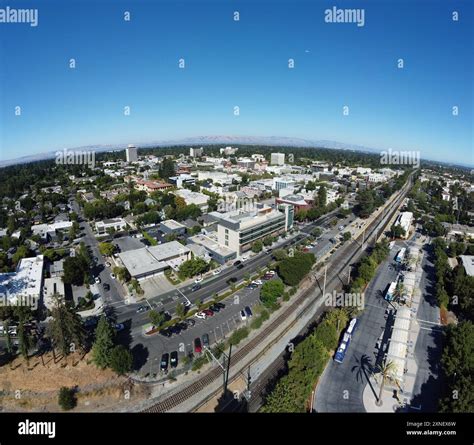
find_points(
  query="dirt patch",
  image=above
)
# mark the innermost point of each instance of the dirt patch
(34, 386)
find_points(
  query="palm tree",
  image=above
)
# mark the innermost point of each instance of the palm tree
(385, 369)
(399, 290)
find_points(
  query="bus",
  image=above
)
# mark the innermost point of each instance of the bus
(391, 291)
(400, 255)
(345, 342)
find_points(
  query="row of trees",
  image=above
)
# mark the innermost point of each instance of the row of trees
(368, 265)
(307, 362)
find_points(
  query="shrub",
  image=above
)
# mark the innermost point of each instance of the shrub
(67, 398)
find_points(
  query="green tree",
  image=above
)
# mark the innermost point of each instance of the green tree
(24, 340)
(180, 310)
(66, 398)
(65, 328)
(386, 370)
(121, 360)
(192, 267)
(257, 246)
(103, 344)
(106, 249)
(270, 292)
(322, 196)
(75, 269)
(157, 318)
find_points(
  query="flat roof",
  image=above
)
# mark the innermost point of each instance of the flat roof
(211, 245)
(26, 280)
(468, 263)
(172, 224)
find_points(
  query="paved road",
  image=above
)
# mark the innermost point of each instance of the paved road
(428, 346)
(341, 385)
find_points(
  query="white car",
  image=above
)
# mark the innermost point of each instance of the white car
(243, 315)
(97, 280)
(112, 275)
(108, 264)
(257, 282)
(271, 272)
(201, 315)
(216, 271)
(198, 280)
(244, 258)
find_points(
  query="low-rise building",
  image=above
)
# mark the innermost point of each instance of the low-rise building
(217, 252)
(171, 226)
(404, 220)
(196, 198)
(115, 224)
(468, 264)
(147, 262)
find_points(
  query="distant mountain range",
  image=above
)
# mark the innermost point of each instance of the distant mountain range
(212, 140)
(202, 140)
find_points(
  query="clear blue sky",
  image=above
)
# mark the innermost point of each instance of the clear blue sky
(238, 63)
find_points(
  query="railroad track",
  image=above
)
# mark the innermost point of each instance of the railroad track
(190, 390)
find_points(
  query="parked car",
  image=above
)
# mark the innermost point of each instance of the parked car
(106, 286)
(112, 275)
(97, 280)
(197, 345)
(195, 287)
(119, 327)
(220, 305)
(183, 326)
(175, 329)
(205, 339)
(238, 263)
(165, 332)
(201, 315)
(208, 312)
(190, 322)
(174, 359)
(231, 280)
(252, 286)
(198, 280)
(215, 308)
(243, 315)
(217, 271)
(257, 282)
(248, 311)
(164, 361)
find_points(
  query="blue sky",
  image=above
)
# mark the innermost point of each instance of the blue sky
(243, 64)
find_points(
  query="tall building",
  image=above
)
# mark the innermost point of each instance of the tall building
(131, 152)
(277, 159)
(196, 152)
(239, 229)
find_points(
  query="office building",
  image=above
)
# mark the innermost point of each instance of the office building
(131, 153)
(277, 159)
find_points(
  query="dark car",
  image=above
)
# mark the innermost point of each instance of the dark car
(238, 263)
(183, 326)
(248, 311)
(231, 280)
(240, 266)
(197, 345)
(195, 287)
(142, 309)
(175, 329)
(164, 361)
(165, 333)
(215, 308)
(190, 322)
(252, 286)
(106, 286)
(220, 305)
(174, 359)
(205, 339)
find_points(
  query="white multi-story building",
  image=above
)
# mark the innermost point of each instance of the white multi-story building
(227, 151)
(283, 183)
(239, 229)
(196, 152)
(277, 159)
(258, 157)
(131, 153)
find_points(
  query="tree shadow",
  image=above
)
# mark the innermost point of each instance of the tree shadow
(364, 369)
(140, 356)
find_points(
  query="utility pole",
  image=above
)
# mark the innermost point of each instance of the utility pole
(324, 285)
(226, 373)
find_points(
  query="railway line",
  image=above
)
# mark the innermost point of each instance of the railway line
(174, 400)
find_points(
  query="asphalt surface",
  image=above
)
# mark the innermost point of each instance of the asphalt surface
(341, 386)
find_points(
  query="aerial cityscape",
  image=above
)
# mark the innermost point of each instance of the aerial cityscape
(245, 207)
